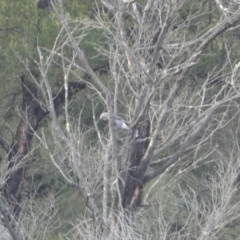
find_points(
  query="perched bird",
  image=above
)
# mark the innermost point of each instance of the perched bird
(119, 123)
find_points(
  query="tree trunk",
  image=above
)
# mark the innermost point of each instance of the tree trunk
(134, 180)
(31, 115)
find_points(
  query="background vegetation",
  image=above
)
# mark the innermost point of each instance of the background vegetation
(170, 68)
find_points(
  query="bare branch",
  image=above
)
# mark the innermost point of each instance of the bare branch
(4, 144)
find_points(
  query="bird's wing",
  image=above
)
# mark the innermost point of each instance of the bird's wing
(119, 118)
(125, 126)
(121, 124)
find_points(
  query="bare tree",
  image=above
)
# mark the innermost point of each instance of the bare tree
(174, 114)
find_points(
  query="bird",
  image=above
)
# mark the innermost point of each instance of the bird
(118, 122)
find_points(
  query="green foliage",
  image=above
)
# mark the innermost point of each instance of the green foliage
(24, 27)
(79, 9)
(57, 236)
